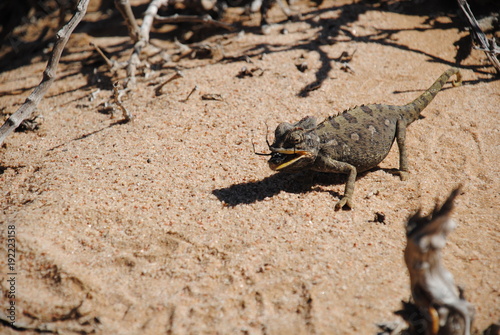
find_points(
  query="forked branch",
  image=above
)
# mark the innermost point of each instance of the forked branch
(49, 74)
(489, 47)
(143, 39)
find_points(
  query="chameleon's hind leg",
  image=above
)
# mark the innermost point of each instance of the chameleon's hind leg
(401, 139)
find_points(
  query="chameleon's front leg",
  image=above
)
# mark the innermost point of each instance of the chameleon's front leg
(330, 165)
(346, 200)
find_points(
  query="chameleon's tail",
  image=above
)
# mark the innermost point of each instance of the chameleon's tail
(415, 107)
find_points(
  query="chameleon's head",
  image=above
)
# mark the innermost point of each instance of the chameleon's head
(295, 146)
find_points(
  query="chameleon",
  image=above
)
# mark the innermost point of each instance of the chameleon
(351, 142)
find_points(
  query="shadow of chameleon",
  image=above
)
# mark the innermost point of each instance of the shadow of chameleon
(301, 182)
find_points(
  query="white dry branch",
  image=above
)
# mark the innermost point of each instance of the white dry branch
(432, 286)
(117, 98)
(140, 36)
(205, 19)
(488, 46)
(49, 75)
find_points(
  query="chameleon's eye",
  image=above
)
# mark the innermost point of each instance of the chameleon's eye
(295, 138)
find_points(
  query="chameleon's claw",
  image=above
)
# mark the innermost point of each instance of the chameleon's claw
(458, 81)
(344, 201)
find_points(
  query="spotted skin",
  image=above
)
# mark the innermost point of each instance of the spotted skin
(352, 142)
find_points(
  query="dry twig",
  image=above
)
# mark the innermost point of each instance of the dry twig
(206, 19)
(195, 88)
(140, 35)
(143, 41)
(117, 95)
(489, 47)
(433, 289)
(124, 8)
(112, 64)
(176, 75)
(49, 74)
(212, 96)
(246, 72)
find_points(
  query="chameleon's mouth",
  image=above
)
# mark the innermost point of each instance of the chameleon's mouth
(282, 158)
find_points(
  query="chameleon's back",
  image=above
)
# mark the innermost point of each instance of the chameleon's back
(361, 136)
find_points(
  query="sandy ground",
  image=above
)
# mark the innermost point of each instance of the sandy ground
(170, 224)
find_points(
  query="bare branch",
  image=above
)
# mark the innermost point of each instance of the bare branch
(49, 74)
(124, 8)
(432, 286)
(143, 41)
(143, 33)
(149, 16)
(112, 64)
(177, 74)
(489, 47)
(117, 94)
(106, 59)
(206, 19)
(195, 88)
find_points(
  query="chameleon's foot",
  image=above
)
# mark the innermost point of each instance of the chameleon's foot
(458, 81)
(404, 175)
(343, 202)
